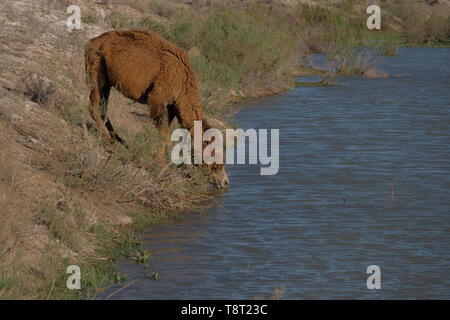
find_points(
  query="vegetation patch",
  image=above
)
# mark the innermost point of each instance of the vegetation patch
(90, 18)
(312, 84)
(117, 20)
(38, 88)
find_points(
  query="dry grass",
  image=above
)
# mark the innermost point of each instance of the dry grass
(38, 89)
(420, 23)
(277, 294)
(352, 61)
(134, 175)
(356, 61)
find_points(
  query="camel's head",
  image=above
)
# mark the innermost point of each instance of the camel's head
(218, 176)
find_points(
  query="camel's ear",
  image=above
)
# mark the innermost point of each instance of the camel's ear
(205, 125)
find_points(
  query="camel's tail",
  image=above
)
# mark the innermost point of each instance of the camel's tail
(93, 59)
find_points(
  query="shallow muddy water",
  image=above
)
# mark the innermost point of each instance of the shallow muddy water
(364, 179)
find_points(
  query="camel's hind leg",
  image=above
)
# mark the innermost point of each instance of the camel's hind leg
(104, 97)
(95, 110)
(100, 89)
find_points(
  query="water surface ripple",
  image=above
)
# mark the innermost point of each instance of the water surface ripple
(364, 179)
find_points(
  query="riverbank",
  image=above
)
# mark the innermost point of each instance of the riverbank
(67, 197)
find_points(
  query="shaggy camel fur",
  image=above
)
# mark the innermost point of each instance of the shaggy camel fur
(148, 69)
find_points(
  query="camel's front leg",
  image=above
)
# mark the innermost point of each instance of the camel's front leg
(158, 112)
(163, 128)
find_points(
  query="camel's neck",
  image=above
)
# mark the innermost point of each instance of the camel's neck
(198, 113)
(189, 110)
(194, 101)
(189, 100)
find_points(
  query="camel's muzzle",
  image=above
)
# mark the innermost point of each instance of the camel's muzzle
(221, 180)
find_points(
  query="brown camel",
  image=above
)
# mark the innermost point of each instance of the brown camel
(148, 69)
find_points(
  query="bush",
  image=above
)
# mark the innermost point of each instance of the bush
(415, 27)
(187, 30)
(437, 29)
(90, 18)
(151, 25)
(72, 113)
(236, 47)
(38, 88)
(117, 20)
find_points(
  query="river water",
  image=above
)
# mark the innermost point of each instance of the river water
(364, 180)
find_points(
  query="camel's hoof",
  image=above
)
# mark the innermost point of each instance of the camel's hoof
(122, 142)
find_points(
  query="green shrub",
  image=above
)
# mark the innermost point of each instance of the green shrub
(72, 113)
(187, 30)
(437, 29)
(236, 47)
(117, 20)
(90, 18)
(151, 25)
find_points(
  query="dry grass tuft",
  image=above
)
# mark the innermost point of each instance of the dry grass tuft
(278, 293)
(38, 88)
